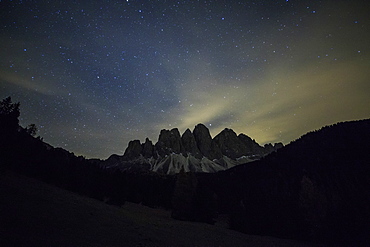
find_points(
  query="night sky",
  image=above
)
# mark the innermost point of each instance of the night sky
(93, 75)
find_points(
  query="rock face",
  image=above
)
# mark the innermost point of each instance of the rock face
(271, 148)
(252, 147)
(190, 145)
(230, 145)
(196, 151)
(205, 143)
(134, 149)
(148, 148)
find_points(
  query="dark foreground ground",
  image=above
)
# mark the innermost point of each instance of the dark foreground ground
(33, 213)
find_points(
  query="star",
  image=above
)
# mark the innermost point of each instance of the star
(97, 76)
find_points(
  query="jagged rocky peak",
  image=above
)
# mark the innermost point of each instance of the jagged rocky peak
(134, 149)
(269, 148)
(193, 151)
(199, 144)
(253, 148)
(190, 145)
(148, 148)
(278, 145)
(230, 145)
(169, 141)
(204, 141)
(202, 136)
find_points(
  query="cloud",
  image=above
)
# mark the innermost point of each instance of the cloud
(280, 106)
(290, 103)
(28, 83)
(323, 79)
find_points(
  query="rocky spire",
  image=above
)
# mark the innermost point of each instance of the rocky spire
(169, 141)
(190, 145)
(230, 145)
(205, 143)
(252, 147)
(199, 144)
(133, 150)
(148, 148)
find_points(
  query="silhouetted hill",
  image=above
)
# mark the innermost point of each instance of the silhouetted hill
(23, 153)
(317, 187)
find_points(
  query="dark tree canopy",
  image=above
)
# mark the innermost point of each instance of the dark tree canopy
(9, 113)
(7, 107)
(31, 129)
(9, 125)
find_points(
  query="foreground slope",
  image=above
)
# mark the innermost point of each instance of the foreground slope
(36, 214)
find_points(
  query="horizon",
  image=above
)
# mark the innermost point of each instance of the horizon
(94, 76)
(154, 141)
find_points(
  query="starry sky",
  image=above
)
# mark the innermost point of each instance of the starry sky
(93, 75)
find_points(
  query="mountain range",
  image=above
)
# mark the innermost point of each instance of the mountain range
(315, 188)
(192, 151)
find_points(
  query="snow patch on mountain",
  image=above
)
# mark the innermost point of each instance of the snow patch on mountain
(192, 152)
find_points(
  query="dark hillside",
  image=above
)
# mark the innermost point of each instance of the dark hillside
(33, 213)
(317, 187)
(26, 154)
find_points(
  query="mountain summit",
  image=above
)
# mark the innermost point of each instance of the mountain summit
(192, 151)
